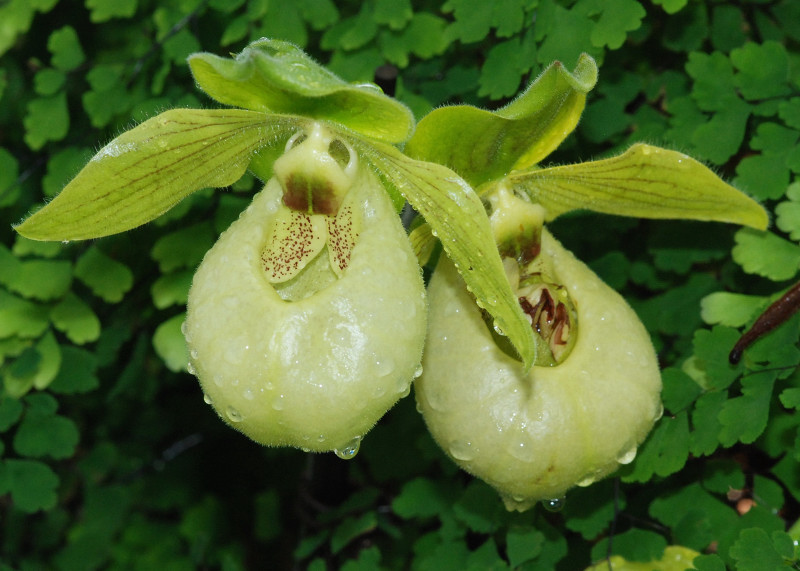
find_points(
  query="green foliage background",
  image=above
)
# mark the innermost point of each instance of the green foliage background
(109, 459)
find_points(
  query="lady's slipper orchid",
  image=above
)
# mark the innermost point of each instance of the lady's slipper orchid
(593, 392)
(306, 319)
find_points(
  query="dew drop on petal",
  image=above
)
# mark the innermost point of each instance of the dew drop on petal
(190, 368)
(462, 450)
(277, 402)
(233, 356)
(248, 394)
(554, 505)
(218, 380)
(520, 449)
(233, 414)
(384, 367)
(418, 372)
(207, 399)
(627, 457)
(350, 449)
(498, 329)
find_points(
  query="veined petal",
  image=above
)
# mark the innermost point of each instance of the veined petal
(276, 76)
(482, 145)
(646, 182)
(145, 171)
(457, 217)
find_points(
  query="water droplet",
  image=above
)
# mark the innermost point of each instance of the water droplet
(269, 386)
(65, 242)
(233, 356)
(321, 438)
(162, 143)
(218, 380)
(190, 369)
(462, 450)
(248, 394)
(586, 481)
(418, 372)
(384, 366)
(350, 450)
(659, 411)
(379, 391)
(554, 505)
(194, 353)
(207, 399)
(183, 327)
(627, 457)
(277, 403)
(304, 449)
(233, 414)
(520, 449)
(498, 329)
(405, 390)
(435, 401)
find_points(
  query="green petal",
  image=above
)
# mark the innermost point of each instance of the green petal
(277, 77)
(645, 182)
(481, 145)
(457, 217)
(145, 171)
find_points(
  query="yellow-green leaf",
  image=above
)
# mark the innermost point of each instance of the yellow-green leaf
(645, 182)
(481, 145)
(148, 169)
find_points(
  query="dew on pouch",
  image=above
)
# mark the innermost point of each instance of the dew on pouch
(350, 449)
(234, 415)
(554, 505)
(462, 450)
